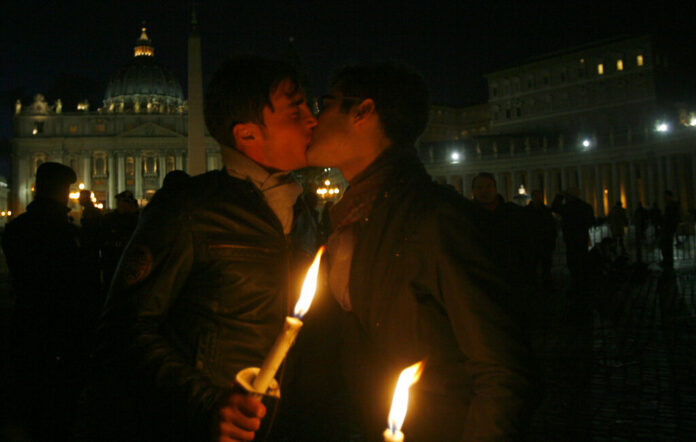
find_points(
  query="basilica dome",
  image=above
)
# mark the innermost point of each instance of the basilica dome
(143, 84)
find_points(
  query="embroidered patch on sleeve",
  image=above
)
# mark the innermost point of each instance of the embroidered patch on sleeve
(136, 265)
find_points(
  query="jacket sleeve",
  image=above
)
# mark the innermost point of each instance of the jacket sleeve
(149, 278)
(499, 361)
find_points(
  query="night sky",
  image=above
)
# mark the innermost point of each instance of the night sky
(69, 49)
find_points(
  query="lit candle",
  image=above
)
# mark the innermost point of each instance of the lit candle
(397, 414)
(290, 329)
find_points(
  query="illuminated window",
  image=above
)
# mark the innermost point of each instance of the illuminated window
(73, 129)
(639, 60)
(149, 165)
(619, 65)
(600, 69)
(100, 164)
(130, 166)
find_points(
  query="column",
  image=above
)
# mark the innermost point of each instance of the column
(87, 169)
(650, 186)
(112, 181)
(23, 182)
(599, 190)
(564, 181)
(138, 175)
(693, 175)
(669, 177)
(633, 202)
(615, 191)
(161, 167)
(210, 161)
(530, 181)
(121, 160)
(547, 186)
(179, 161)
(660, 182)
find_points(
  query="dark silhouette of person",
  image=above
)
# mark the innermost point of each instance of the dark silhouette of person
(117, 228)
(543, 237)
(507, 225)
(670, 222)
(618, 221)
(49, 330)
(656, 220)
(176, 179)
(90, 244)
(641, 219)
(576, 219)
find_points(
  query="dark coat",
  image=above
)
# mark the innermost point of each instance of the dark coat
(50, 325)
(423, 286)
(542, 228)
(576, 219)
(200, 294)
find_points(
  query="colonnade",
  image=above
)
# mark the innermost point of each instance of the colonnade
(630, 175)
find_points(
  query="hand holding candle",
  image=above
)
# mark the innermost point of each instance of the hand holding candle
(290, 329)
(397, 414)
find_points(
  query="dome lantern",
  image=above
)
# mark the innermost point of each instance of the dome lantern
(143, 45)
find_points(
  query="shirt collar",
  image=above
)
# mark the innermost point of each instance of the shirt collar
(242, 167)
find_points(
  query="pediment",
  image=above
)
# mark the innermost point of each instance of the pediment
(150, 129)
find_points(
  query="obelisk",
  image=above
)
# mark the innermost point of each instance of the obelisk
(196, 124)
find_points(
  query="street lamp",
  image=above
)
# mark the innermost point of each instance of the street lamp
(661, 126)
(455, 157)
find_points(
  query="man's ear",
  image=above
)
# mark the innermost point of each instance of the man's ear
(245, 135)
(365, 110)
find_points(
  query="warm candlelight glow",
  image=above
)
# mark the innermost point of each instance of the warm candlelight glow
(408, 377)
(308, 287)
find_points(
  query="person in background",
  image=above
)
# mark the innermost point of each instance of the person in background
(50, 327)
(117, 228)
(576, 219)
(670, 222)
(543, 237)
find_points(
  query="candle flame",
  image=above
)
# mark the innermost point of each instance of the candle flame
(408, 377)
(309, 286)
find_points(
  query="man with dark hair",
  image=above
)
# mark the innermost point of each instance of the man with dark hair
(49, 330)
(410, 273)
(211, 271)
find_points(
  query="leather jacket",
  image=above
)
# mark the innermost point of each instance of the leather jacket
(423, 286)
(201, 293)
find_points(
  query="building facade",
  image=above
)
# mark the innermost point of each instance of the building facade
(137, 137)
(603, 118)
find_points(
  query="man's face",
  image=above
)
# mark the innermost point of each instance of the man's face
(287, 130)
(330, 146)
(485, 190)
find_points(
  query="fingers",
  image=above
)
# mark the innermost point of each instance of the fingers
(248, 405)
(229, 432)
(238, 419)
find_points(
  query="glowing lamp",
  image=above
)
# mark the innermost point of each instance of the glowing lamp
(586, 143)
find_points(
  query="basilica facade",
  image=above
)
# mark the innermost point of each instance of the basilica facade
(130, 143)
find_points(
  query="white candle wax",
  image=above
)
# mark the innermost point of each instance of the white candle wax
(275, 357)
(393, 437)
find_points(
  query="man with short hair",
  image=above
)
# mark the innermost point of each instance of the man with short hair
(49, 329)
(212, 269)
(410, 273)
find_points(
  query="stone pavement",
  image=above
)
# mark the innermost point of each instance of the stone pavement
(618, 362)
